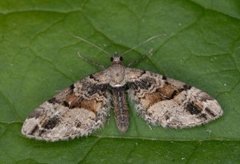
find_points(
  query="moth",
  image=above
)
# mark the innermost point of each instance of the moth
(84, 107)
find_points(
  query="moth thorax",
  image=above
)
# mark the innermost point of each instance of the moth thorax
(117, 75)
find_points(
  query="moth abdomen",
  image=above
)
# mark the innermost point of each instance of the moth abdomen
(120, 109)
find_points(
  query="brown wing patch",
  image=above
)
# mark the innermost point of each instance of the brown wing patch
(166, 92)
(91, 105)
(151, 98)
(73, 101)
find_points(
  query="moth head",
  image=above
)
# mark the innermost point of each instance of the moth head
(116, 59)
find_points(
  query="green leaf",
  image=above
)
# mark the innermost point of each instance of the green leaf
(194, 41)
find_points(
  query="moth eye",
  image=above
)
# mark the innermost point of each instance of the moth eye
(111, 59)
(121, 58)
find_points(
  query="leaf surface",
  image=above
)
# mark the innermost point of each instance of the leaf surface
(194, 41)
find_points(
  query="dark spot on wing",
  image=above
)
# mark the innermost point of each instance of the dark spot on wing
(209, 112)
(167, 117)
(51, 123)
(72, 87)
(142, 73)
(193, 109)
(93, 77)
(34, 130)
(173, 94)
(53, 100)
(164, 77)
(178, 91)
(203, 116)
(78, 124)
(65, 103)
(187, 87)
(41, 132)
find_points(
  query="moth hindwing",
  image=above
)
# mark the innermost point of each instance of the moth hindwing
(84, 107)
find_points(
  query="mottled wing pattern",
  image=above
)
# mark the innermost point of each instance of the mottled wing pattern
(76, 111)
(168, 102)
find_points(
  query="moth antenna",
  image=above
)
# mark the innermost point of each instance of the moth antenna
(142, 43)
(101, 67)
(145, 56)
(91, 44)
